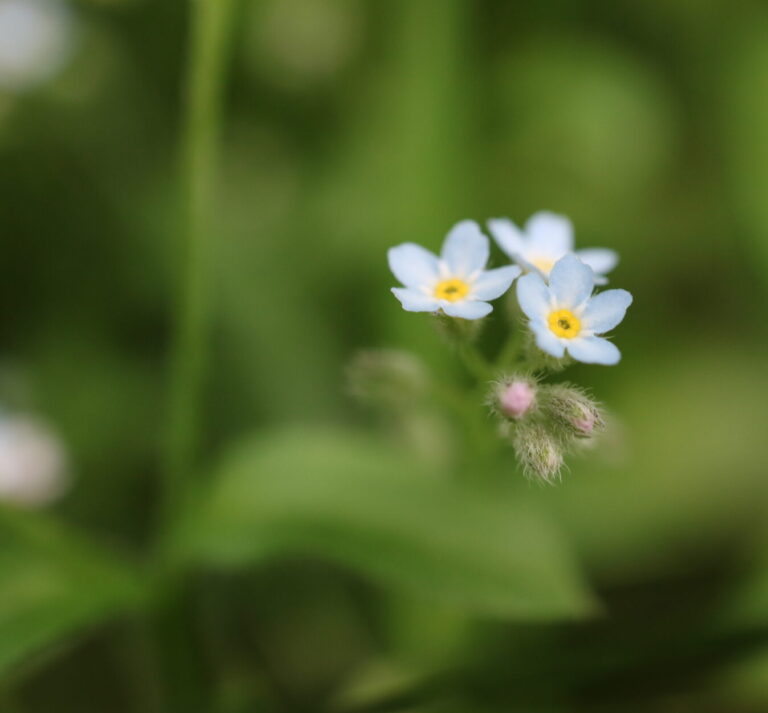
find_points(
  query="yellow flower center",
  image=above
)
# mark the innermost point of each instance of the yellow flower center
(564, 323)
(544, 264)
(451, 290)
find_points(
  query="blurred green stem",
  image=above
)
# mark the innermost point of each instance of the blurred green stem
(179, 648)
(210, 32)
(474, 362)
(510, 350)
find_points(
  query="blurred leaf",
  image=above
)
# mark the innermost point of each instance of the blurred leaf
(354, 501)
(52, 585)
(580, 118)
(679, 475)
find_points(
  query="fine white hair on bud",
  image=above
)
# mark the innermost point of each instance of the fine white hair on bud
(32, 463)
(573, 410)
(514, 397)
(538, 451)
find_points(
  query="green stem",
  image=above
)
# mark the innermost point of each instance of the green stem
(510, 351)
(209, 40)
(475, 363)
(180, 653)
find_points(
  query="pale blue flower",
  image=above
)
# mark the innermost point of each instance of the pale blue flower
(456, 282)
(546, 238)
(564, 316)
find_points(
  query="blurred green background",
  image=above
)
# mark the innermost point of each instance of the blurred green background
(310, 583)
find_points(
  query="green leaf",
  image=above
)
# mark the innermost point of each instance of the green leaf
(52, 585)
(355, 501)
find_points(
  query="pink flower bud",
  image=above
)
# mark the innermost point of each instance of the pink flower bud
(585, 426)
(577, 413)
(516, 399)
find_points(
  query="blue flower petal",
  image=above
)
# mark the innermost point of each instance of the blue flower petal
(465, 249)
(413, 265)
(604, 311)
(601, 260)
(571, 282)
(415, 301)
(546, 341)
(549, 234)
(534, 296)
(594, 350)
(508, 236)
(467, 309)
(494, 283)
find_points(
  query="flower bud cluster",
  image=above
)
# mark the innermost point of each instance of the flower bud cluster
(564, 321)
(544, 422)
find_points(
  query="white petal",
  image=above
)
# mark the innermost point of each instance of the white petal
(549, 234)
(594, 350)
(467, 309)
(415, 301)
(465, 249)
(412, 264)
(546, 341)
(571, 282)
(601, 260)
(534, 296)
(494, 283)
(508, 236)
(606, 310)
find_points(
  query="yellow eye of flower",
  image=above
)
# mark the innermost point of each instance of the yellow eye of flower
(451, 290)
(544, 264)
(564, 323)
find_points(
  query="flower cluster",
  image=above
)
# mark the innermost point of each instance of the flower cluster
(562, 316)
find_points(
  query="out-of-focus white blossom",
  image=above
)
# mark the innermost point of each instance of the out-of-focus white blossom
(546, 238)
(36, 40)
(32, 462)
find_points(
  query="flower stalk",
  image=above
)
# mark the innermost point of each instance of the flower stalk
(209, 40)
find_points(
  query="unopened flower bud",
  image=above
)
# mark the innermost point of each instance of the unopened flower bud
(574, 411)
(537, 451)
(32, 463)
(515, 398)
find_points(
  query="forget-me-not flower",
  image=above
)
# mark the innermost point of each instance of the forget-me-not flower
(456, 282)
(564, 316)
(546, 238)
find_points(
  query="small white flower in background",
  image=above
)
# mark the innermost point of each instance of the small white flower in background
(456, 282)
(36, 38)
(32, 463)
(565, 317)
(547, 237)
